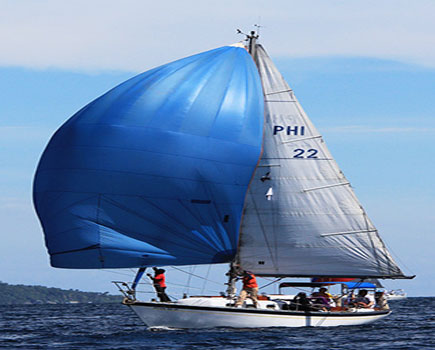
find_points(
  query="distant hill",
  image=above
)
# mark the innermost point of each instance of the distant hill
(21, 294)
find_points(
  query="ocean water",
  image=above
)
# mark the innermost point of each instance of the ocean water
(114, 326)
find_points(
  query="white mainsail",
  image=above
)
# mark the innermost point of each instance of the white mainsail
(301, 216)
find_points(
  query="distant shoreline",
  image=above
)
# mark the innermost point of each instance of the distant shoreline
(19, 294)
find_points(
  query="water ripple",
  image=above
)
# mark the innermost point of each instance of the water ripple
(115, 327)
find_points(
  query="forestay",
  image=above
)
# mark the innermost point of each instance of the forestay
(301, 216)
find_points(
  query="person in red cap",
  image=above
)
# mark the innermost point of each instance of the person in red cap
(159, 283)
(250, 289)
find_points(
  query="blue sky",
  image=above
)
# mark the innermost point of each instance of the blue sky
(364, 73)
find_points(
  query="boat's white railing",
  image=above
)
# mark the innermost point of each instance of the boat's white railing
(125, 289)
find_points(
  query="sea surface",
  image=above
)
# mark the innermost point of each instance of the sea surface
(114, 326)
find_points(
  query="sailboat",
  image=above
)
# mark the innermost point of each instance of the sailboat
(395, 294)
(205, 160)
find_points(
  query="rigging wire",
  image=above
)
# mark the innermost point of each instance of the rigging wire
(206, 279)
(176, 268)
(396, 256)
(266, 285)
(116, 272)
(177, 285)
(189, 278)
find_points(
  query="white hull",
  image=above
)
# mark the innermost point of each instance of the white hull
(156, 314)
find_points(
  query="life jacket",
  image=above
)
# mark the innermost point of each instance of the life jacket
(250, 281)
(159, 279)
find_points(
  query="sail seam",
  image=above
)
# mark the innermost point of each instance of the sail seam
(149, 151)
(97, 221)
(165, 227)
(94, 246)
(223, 239)
(50, 215)
(135, 173)
(280, 101)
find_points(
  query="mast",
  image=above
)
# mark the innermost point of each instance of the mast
(252, 43)
(234, 269)
(234, 265)
(232, 279)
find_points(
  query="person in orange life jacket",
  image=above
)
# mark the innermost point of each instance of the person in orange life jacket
(159, 283)
(250, 289)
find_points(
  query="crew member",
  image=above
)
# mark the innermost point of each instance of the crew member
(321, 299)
(159, 283)
(362, 301)
(250, 289)
(381, 301)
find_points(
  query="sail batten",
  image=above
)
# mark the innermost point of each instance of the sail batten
(347, 233)
(311, 224)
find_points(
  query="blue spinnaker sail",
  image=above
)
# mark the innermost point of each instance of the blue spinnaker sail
(155, 171)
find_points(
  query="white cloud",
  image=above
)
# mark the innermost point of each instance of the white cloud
(136, 35)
